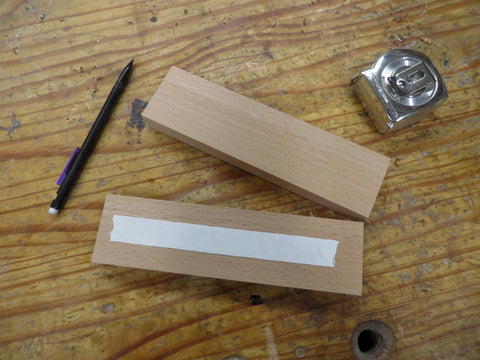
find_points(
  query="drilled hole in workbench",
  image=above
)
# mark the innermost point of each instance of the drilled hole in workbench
(372, 340)
(368, 339)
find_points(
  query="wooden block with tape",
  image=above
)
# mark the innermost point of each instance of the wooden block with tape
(288, 152)
(244, 245)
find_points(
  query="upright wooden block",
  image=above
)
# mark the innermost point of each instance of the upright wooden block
(302, 158)
(345, 276)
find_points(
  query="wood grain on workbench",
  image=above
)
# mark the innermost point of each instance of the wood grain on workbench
(60, 59)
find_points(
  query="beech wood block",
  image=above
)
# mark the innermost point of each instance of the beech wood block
(288, 152)
(345, 277)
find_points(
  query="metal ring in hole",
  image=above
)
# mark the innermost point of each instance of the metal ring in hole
(372, 340)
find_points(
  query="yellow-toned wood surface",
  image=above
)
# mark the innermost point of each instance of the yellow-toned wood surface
(59, 60)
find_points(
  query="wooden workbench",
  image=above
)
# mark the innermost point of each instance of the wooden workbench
(59, 60)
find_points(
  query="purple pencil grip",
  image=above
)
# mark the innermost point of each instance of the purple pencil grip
(67, 167)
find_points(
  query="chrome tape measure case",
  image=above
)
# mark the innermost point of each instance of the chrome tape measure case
(400, 88)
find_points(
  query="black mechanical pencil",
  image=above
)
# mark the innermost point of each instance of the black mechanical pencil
(82, 156)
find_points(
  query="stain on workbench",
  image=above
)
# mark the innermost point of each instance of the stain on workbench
(235, 357)
(423, 253)
(421, 269)
(107, 308)
(255, 300)
(101, 183)
(15, 125)
(464, 81)
(78, 217)
(136, 120)
(405, 276)
(300, 352)
(268, 53)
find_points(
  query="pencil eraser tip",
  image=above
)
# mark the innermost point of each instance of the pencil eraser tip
(53, 211)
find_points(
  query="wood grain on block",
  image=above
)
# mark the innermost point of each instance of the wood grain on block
(291, 153)
(344, 276)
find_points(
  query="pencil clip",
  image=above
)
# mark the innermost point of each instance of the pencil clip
(67, 167)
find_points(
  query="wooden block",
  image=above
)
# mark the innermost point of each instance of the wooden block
(302, 158)
(344, 277)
